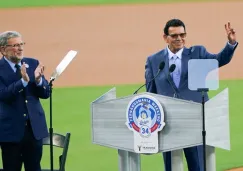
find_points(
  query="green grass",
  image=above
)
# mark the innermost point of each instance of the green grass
(71, 113)
(37, 3)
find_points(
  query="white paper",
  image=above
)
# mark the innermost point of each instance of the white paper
(63, 64)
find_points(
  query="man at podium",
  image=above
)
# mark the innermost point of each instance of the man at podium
(175, 84)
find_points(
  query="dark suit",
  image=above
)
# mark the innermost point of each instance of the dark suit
(162, 86)
(22, 118)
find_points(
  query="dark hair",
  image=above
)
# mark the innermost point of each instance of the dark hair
(173, 23)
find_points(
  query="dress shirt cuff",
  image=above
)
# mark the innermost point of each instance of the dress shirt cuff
(40, 83)
(232, 46)
(24, 82)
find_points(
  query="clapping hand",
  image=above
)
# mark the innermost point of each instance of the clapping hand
(39, 71)
(24, 74)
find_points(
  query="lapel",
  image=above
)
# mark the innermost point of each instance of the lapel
(8, 71)
(23, 60)
(184, 66)
(166, 69)
(28, 69)
(165, 58)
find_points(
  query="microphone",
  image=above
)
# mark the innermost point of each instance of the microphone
(171, 69)
(161, 67)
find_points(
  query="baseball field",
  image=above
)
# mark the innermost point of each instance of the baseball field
(113, 39)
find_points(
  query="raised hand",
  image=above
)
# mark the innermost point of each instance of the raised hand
(24, 74)
(39, 71)
(230, 33)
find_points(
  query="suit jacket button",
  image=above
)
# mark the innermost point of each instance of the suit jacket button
(24, 115)
(26, 101)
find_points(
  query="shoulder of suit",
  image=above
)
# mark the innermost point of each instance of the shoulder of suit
(157, 53)
(195, 48)
(29, 59)
(163, 51)
(1, 61)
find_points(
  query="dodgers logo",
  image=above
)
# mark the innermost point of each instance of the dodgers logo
(145, 115)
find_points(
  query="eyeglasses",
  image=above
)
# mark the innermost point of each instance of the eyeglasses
(174, 36)
(17, 45)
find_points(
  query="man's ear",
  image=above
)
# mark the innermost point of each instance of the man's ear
(165, 38)
(2, 49)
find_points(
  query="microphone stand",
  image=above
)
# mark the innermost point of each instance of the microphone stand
(171, 69)
(51, 129)
(203, 91)
(176, 95)
(161, 67)
(59, 69)
(148, 82)
(139, 89)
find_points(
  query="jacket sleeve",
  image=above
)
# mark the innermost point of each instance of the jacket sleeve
(150, 87)
(43, 91)
(223, 57)
(7, 93)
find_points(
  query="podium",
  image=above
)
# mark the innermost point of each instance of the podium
(183, 127)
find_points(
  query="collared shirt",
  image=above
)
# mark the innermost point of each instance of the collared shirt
(12, 65)
(171, 55)
(175, 59)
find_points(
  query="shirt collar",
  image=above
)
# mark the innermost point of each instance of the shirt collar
(11, 63)
(171, 54)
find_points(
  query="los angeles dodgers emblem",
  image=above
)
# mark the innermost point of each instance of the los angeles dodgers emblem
(145, 117)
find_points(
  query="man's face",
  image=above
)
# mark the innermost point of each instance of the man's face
(175, 38)
(14, 49)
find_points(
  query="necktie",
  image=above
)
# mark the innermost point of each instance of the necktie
(176, 74)
(18, 71)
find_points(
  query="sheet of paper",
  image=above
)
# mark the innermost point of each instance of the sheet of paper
(63, 64)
